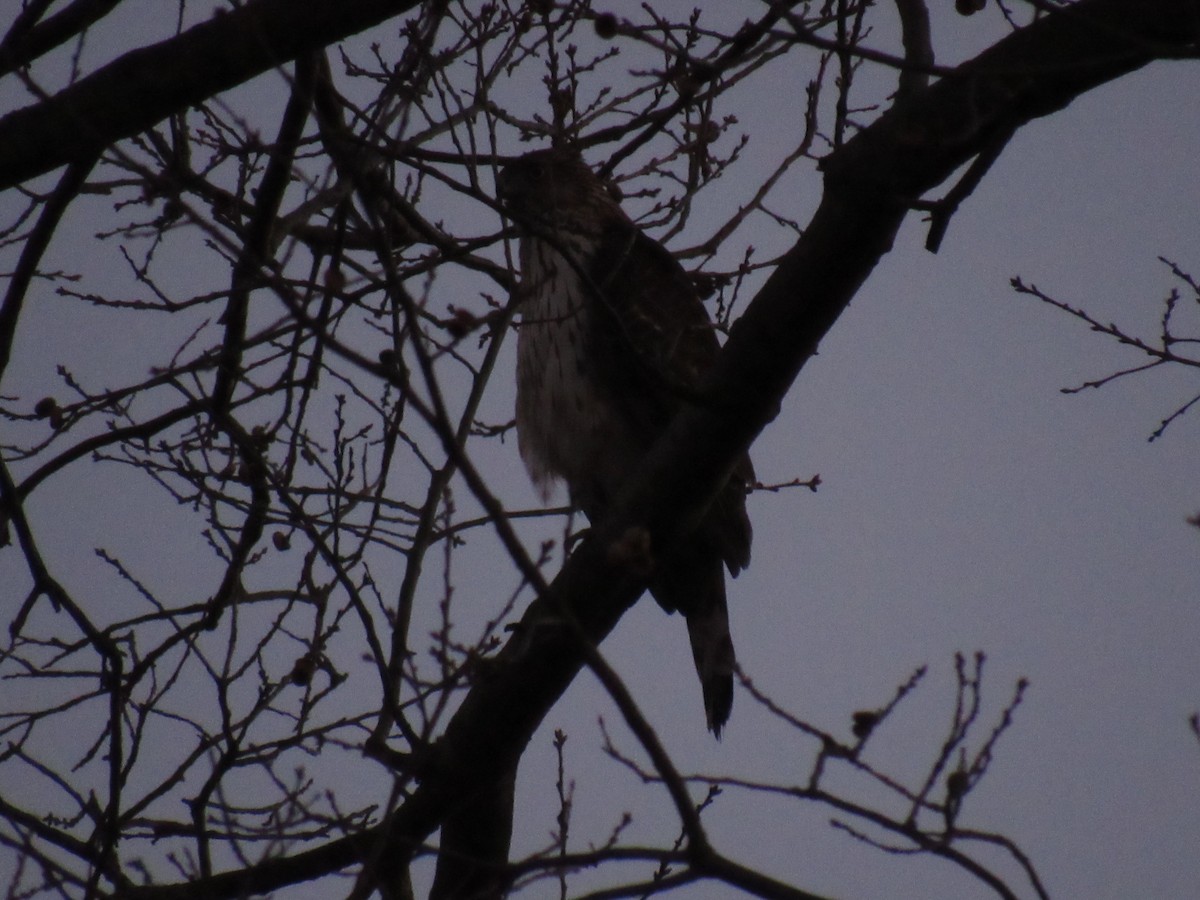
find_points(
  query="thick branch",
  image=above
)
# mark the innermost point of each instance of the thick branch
(146, 85)
(29, 39)
(31, 254)
(870, 185)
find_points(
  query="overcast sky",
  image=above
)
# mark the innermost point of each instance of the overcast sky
(966, 505)
(969, 505)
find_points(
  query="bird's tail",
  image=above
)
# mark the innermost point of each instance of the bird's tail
(712, 649)
(692, 581)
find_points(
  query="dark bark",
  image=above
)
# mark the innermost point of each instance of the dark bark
(146, 85)
(31, 37)
(870, 185)
(474, 845)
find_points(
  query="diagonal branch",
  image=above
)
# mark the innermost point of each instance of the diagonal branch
(146, 85)
(871, 183)
(29, 38)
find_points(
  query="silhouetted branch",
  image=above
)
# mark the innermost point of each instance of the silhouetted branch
(323, 440)
(1161, 350)
(146, 85)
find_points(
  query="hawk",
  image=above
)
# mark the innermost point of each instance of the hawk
(613, 341)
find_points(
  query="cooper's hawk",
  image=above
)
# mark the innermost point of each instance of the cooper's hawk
(613, 341)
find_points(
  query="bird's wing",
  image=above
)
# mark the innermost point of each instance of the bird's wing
(654, 343)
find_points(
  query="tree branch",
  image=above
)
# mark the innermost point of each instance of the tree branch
(146, 85)
(871, 183)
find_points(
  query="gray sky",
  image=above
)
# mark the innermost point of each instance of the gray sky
(966, 505)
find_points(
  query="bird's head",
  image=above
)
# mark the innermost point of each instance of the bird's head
(554, 189)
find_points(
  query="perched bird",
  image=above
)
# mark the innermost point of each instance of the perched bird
(613, 341)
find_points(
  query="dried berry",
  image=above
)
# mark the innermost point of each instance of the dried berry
(957, 783)
(864, 722)
(461, 322)
(606, 26)
(302, 671)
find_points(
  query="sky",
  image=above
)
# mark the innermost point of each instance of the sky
(966, 505)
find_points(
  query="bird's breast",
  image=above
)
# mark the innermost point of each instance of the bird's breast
(563, 417)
